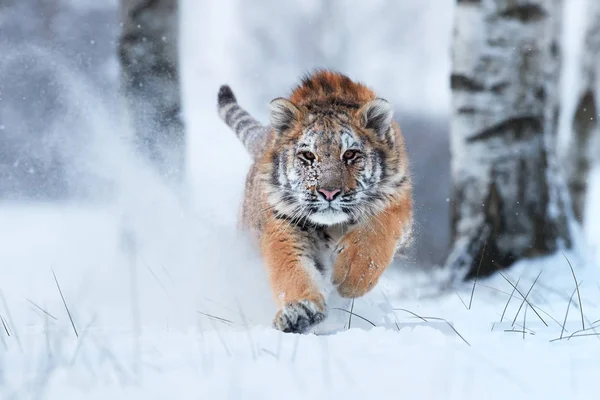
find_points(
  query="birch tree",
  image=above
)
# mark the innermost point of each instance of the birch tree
(148, 52)
(584, 145)
(507, 201)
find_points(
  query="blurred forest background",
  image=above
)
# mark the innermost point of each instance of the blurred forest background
(56, 51)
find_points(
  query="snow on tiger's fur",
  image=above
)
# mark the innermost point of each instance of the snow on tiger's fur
(328, 195)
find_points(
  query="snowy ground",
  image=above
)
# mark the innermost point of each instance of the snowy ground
(144, 331)
(189, 316)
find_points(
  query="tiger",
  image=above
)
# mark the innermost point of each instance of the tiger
(328, 196)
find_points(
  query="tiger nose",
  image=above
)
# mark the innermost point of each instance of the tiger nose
(329, 194)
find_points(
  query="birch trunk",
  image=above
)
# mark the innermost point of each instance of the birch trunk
(506, 199)
(148, 52)
(584, 146)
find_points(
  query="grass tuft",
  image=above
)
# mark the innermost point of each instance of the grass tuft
(524, 297)
(509, 299)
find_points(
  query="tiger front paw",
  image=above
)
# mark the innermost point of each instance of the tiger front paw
(356, 271)
(298, 316)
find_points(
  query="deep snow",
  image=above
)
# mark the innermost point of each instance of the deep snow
(154, 339)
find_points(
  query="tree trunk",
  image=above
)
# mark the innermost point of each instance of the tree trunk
(148, 52)
(584, 143)
(507, 198)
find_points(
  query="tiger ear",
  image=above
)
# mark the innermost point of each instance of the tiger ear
(377, 115)
(283, 114)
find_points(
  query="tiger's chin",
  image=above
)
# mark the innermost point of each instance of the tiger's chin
(329, 217)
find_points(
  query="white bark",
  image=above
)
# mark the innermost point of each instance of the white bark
(148, 51)
(584, 145)
(506, 200)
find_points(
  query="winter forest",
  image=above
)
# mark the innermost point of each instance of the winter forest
(123, 270)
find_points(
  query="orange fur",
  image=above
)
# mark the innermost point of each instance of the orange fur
(325, 86)
(290, 282)
(327, 101)
(367, 250)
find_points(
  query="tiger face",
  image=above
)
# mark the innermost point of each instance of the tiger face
(332, 164)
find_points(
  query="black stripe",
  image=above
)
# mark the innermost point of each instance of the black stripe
(382, 165)
(243, 124)
(275, 172)
(319, 266)
(401, 182)
(283, 164)
(230, 113)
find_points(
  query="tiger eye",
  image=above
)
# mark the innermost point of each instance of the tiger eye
(308, 155)
(350, 154)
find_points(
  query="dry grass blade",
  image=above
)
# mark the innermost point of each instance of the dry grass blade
(529, 330)
(533, 306)
(41, 309)
(65, 303)
(4, 325)
(525, 321)
(574, 335)
(591, 328)
(509, 299)
(451, 326)
(350, 316)
(412, 313)
(387, 302)
(518, 331)
(220, 337)
(566, 314)
(157, 279)
(477, 276)
(524, 298)
(425, 319)
(80, 343)
(356, 315)
(10, 322)
(585, 334)
(226, 321)
(462, 301)
(577, 289)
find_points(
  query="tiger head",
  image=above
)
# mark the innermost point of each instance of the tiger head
(333, 161)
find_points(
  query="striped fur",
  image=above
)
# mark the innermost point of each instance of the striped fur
(328, 195)
(250, 132)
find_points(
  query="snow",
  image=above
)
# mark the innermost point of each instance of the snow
(190, 316)
(173, 349)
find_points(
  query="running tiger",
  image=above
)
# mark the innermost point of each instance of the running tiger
(328, 195)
